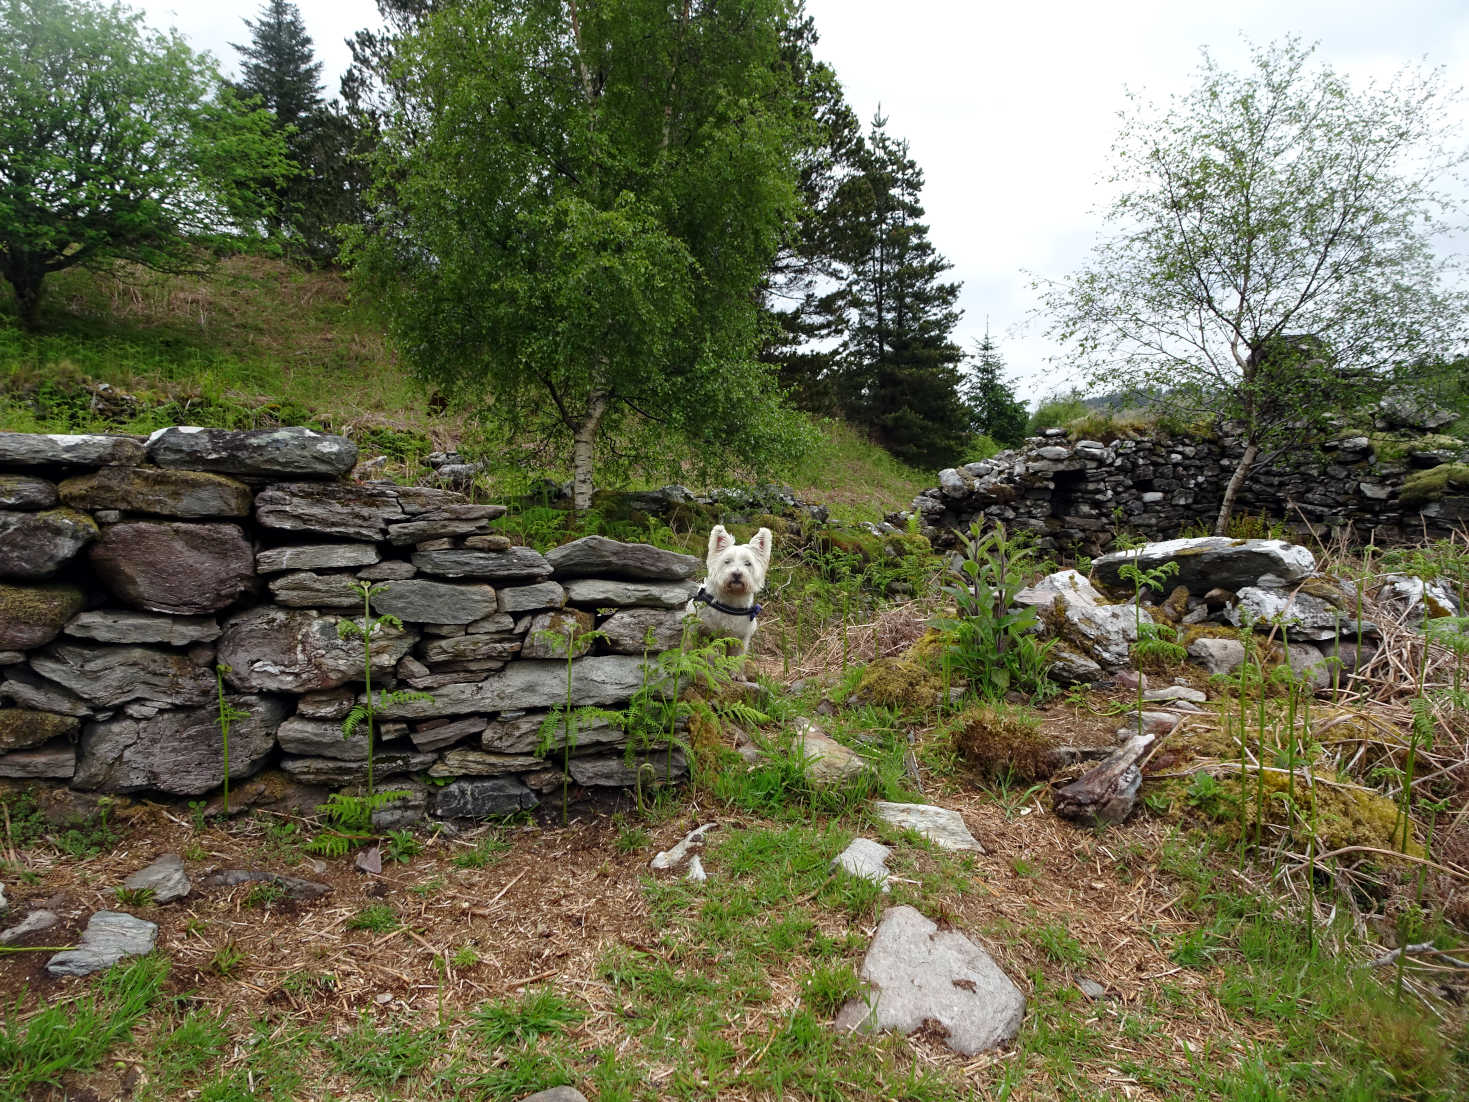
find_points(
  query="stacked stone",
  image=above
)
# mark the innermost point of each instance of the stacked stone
(1074, 496)
(130, 569)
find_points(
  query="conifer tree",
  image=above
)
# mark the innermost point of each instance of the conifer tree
(994, 409)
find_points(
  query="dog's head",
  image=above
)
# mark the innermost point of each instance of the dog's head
(737, 569)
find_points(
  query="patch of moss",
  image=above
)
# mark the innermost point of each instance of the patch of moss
(22, 727)
(897, 683)
(1421, 487)
(33, 615)
(1003, 743)
(928, 651)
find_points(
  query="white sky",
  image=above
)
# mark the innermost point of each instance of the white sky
(1009, 108)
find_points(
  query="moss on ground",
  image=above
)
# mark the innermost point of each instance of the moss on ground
(897, 683)
(1002, 742)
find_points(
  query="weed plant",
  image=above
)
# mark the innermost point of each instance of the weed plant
(226, 716)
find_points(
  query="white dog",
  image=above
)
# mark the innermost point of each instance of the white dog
(725, 603)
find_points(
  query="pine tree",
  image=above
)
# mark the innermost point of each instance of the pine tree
(898, 366)
(994, 409)
(279, 65)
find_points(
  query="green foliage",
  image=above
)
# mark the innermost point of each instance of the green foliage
(226, 715)
(488, 850)
(378, 918)
(227, 960)
(1272, 253)
(537, 1014)
(349, 819)
(71, 1037)
(994, 410)
(117, 143)
(133, 897)
(1056, 412)
(989, 642)
(596, 200)
(262, 895)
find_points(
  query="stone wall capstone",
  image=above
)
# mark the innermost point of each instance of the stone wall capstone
(129, 569)
(1075, 496)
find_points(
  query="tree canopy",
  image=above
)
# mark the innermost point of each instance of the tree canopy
(116, 143)
(578, 203)
(1270, 248)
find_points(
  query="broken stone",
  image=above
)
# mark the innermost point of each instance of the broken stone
(33, 615)
(1211, 561)
(602, 593)
(308, 590)
(33, 923)
(294, 887)
(347, 510)
(600, 557)
(672, 858)
(287, 451)
(336, 773)
(566, 626)
(477, 763)
(54, 762)
(165, 878)
(450, 520)
(1175, 692)
(923, 976)
(112, 626)
(483, 798)
(867, 859)
(643, 630)
(696, 872)
(939, 825)
(433, 736)
(109, 937)
(108, 676)
(515, 564)
(23, 728)
(825, 760)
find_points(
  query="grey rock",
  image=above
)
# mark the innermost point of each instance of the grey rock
(165, 878)
(1146, 723)
(470, 648)
(825, 760)
(1070, 668)
(522, 734)
(33, 615)
(176, 567)
(436, 735)
(322, 738)
(55, 762)
(160, 492)
(391, 570)
(600, 557)
(11, 658)
(295, 887)
(1211, 561)
(602, 593)
(1309, 664)
(482, 798)
(528, 598)
(24, 728)
(939, 825)
(1353, 657)
(36, 545)
(305, 589)
(1091, 988)
(1217, 655)
(498, 623)
(867, 859)
(1417, 599)
(450, 520)
(515, 564)
(33, 923)
(326, 704)
(26, 689)
(608, 680)
(26, 449)
(19, 491)
(1069, 583)
(425, 602)
(275, 650)
(477, 763)
(1413, 409)
(335, 772)
(923, 975)
(347, 510)
(316, 556)
(615, 771)
(109, 937)
(1106, 631)
(288, 451)
(1175, 692)
(492, 542)
(556, 1094)
(112, 626)
(1302, 615)
(627, 632)
(402, 811)
(108, 677)
(177, 752)
(549, 633)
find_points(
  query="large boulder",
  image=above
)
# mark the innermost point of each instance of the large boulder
(1298, 614)
(608, 680)
(600, 557)
(33, 615)
(162, 492)
(176, 567)
(36, 545)
(289, 451)
(178, 752)
(347, 510)
(27, 449)
(1211, 562)
(274, 650)
(108, 677)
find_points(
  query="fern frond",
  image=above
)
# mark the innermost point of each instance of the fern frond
(353, 719)
(349, 629)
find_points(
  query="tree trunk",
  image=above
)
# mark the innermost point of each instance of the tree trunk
(1236, 480)
(583, 443)
(27, 297)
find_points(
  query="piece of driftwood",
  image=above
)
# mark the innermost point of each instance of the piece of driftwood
(1107, 793)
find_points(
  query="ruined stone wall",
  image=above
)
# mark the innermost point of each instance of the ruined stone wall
(1077, 496)
(130, 569)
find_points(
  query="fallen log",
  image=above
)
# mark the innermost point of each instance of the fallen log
(1107, 793)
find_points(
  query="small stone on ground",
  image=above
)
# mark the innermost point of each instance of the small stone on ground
(109, 937)
(165, 878)
(670, 858)
(867, 859)
(938, 824)
(33, 923)
(556, 1094)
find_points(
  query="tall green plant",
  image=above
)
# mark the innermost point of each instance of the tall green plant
(988, 640)
(227, 716)
(564, 717)
(1150, 642)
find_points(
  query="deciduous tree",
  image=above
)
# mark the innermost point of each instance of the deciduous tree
(116, 143)
(1271, 247)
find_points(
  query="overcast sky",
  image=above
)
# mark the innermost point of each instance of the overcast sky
(1010, 109)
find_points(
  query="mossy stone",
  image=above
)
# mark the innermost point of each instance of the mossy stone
(1433, 484)
(33, 615)
(897, 683)
(21, 728)
(1003, 743)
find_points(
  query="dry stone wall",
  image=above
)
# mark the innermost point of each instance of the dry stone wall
(129, 569)
(1077, 495)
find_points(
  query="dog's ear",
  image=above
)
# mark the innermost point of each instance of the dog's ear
(719, 539)
(760, 541)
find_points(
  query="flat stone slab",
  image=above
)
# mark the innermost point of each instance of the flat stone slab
(424, 602)
(867, 859)
(33, 615)
(109, 937)
(24, 728)
(56, 762)
(114, 626)
(294, 887)
(161, 492)
(1210, 561)
(477, 763)
(29, 449)
(604, 593)
(316, 556)
(346, 510)
(108, 676)
(615, 771)
(289, 451)
(514, 564)
(826, 760)
(36, 545)
(19, 491)
(441, 523)
(600, 557)
(482, 798)
(1217, 655)
(33, 923)
(175, 566)
(643, 630)
(607, 680)
(939, 825)
(165, 878)
(921, 976)
(530, 598)
(1175, 692)
(275, 650)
